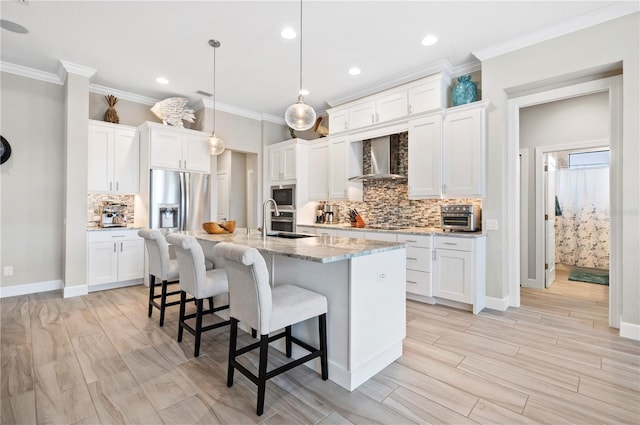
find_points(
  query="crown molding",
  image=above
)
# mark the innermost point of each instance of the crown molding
(273, 119)
(66, 67)
(31, 73)
(132, 97)
(590, 19)
(466, 68)
(406, 77)
(208, 103)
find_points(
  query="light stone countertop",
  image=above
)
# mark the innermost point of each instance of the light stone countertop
(404, 230)
(318, 248)
(107, 229)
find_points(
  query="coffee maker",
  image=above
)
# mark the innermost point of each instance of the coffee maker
(112, 214)
(331, 214)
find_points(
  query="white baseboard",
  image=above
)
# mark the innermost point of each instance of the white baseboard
(114, 285)
(31, 288)
(75, 291)
(500, 304)
(630, 330)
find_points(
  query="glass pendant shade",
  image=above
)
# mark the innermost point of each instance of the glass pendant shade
(216, 145)
(300, 116)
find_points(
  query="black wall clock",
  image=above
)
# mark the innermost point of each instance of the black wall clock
(5, 150)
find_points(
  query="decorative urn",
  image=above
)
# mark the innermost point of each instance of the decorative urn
(465, 91)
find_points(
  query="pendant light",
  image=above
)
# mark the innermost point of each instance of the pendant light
(300, 116)
(216, 145)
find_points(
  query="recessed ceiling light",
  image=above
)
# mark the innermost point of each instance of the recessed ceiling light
(429, 40)
(355, 71)
(162, 80)
(304, 92)
(288, 33)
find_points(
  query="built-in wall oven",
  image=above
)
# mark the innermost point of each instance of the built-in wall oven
(285, 196)
(285, 222)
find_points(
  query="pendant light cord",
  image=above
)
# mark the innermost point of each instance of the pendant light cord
(214, 90)
(300, 90)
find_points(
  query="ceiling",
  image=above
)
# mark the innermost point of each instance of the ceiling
(130, 43)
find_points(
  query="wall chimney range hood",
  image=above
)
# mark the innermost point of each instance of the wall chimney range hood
(385, 161)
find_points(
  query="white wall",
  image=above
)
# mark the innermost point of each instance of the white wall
(569, 121)
(32, 180)
(562, 59)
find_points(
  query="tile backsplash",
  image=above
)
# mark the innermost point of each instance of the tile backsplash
(93, 210)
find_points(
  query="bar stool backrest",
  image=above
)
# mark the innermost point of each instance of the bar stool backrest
(158, 250)
(193, 272)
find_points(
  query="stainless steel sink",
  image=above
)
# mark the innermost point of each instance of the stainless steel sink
(288, 235)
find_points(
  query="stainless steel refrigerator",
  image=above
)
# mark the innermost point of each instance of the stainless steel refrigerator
(178, 200)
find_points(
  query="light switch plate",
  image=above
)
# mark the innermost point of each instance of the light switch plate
(492, 224)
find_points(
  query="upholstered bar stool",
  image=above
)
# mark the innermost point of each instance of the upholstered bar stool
(199, 282)
(253, 302)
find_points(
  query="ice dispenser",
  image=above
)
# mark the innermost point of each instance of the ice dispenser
(168, 215)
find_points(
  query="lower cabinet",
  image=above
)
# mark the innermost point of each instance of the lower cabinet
(115, 256)
(418, 264)
(459, 270)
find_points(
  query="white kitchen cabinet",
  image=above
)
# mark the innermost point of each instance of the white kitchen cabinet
(115, 256)
(459, 270)
(419, 259)
(319, 172)
(381, 236)
(339, 121)
(282, 161)
(362, 115)
(428, 94)
(446, 153)
(391, 106)
(177, 148)
(463, 147)
(425, 142)
(113, 158)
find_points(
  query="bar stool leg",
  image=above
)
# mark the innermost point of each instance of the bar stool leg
(183, 301)
(233, 336)
(322, 327)
(196, 351)
(152, 284)
(262, 373)
(163, 301)
(287, 339)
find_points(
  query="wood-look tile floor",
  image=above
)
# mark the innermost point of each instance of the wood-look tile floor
(100, 359)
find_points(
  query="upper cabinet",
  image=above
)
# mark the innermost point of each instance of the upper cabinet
(113, 158)
(282, 161)
(426, 94)
(332, 161)
(319, 172)
(446, 153)
(176, 148)
(463, 147)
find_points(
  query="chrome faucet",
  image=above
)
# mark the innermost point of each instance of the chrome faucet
(264, 215)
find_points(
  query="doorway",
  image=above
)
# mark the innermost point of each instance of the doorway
(612, 86)
(237, 188)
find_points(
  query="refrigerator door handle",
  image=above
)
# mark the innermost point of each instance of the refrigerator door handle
(187, 199)
(181, 216)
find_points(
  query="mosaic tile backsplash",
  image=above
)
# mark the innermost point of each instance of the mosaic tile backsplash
(387, 201)
(93, 203)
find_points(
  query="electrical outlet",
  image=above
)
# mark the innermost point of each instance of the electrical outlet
(8, 270)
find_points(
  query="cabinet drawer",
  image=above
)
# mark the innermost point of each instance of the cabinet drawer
(458, 244)
(112, 235)
(419, 259)
(419, 283)
(415, 240)
(380, 236)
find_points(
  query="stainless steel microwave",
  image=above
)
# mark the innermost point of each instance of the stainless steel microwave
(284, 195)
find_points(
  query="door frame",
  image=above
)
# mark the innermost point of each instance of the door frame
(612, 85)
(541, 236)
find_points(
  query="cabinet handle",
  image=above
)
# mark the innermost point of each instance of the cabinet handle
(413, 259)
(450, 243)
(185, 164)
(411, 241)
(121, 244)
(410, 108)
(346, 126)
(411, 281)
(179, 163)
(118, 236)
(444, 188)
(117, 186)
(114, 247)
(433, 255)
(110, 186)
(377, 117)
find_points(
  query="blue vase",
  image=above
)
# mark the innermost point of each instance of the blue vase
(465, 91)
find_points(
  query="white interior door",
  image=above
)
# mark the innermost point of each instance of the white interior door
(550, 220)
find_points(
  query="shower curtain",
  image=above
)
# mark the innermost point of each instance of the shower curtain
(582, 229)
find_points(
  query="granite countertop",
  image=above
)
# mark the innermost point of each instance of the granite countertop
(403, 230)
(317, 248)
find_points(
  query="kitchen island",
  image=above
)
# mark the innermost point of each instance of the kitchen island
(364, 282)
